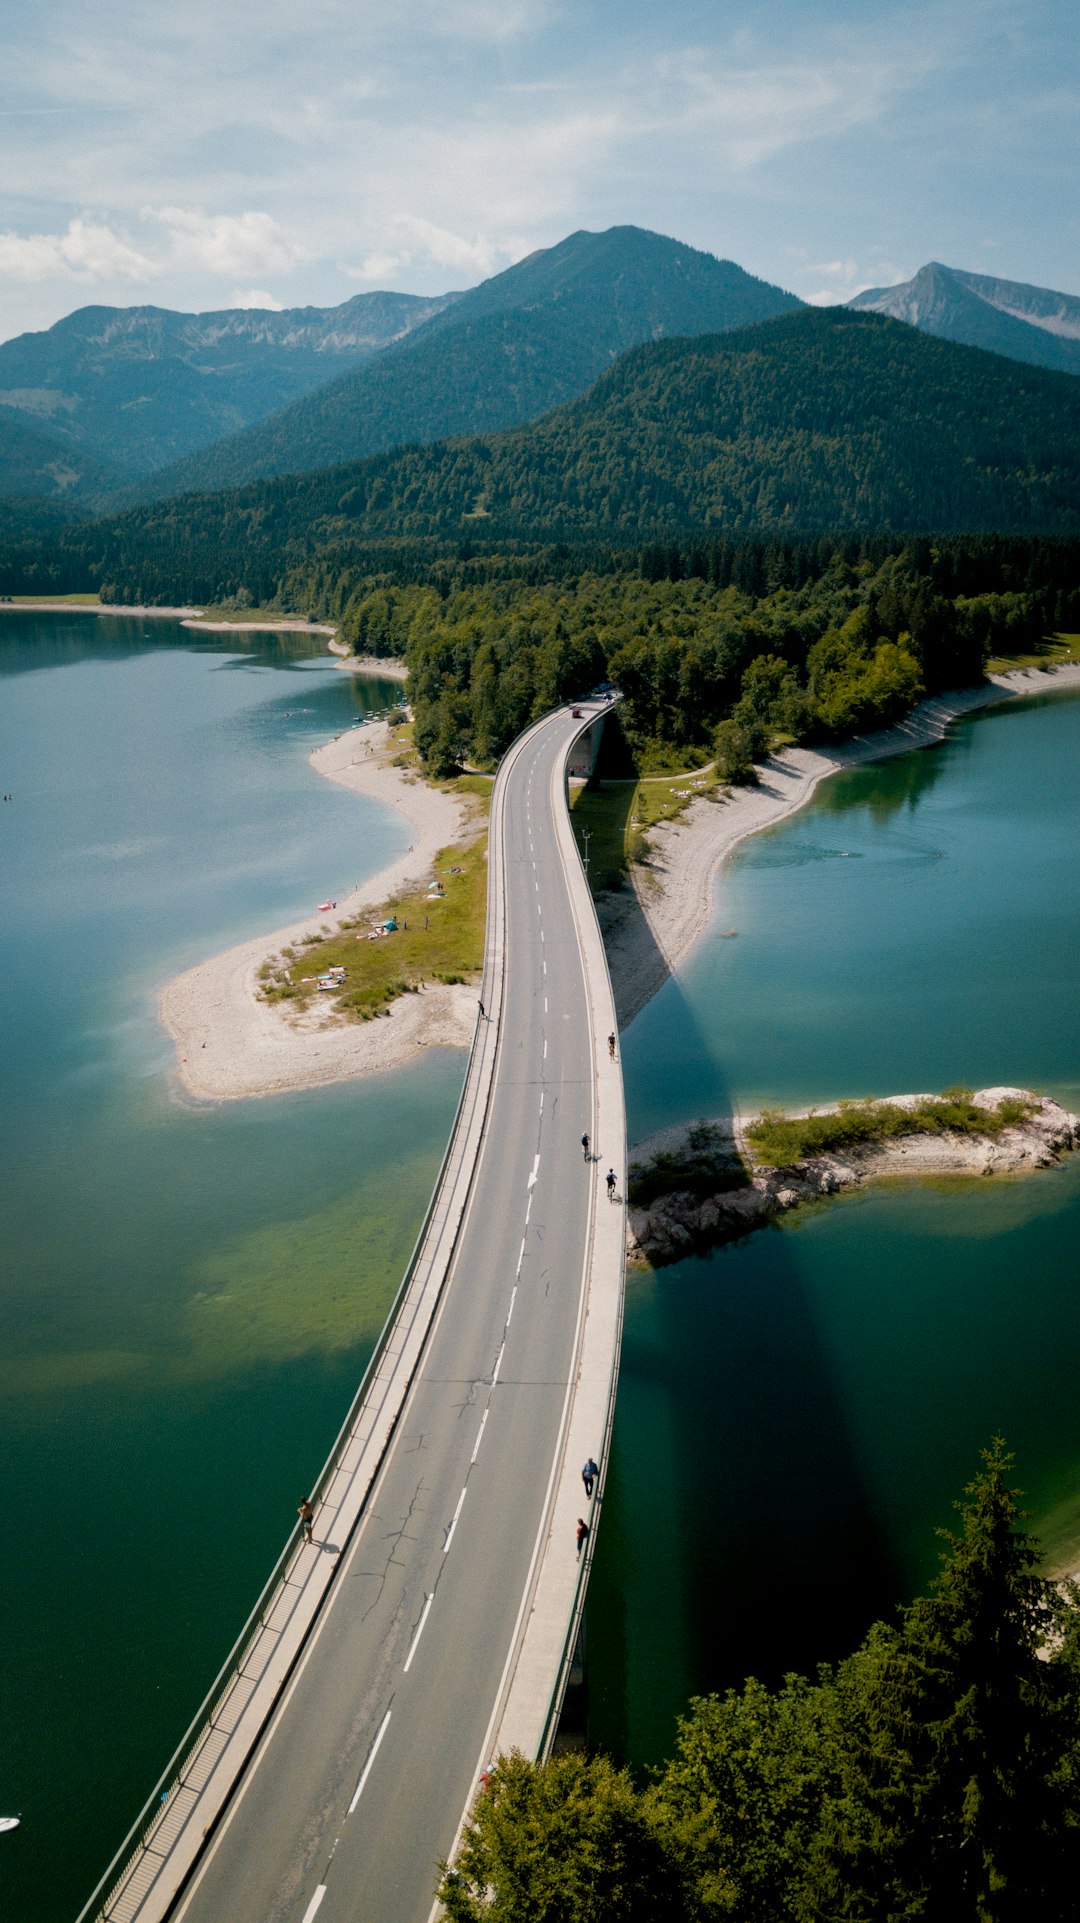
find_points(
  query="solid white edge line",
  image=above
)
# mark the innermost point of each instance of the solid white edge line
(314, 1904)
(453, 1525)
(479, 1437)
(419, 1633)
(366, 1771)
(256, 1755)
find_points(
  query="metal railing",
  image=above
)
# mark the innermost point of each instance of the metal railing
(475, 1091)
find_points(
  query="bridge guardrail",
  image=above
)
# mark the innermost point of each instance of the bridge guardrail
(127, 1883)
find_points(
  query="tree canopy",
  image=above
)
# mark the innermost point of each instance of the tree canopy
(931, 1775)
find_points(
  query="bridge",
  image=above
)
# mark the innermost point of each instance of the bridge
(431, 1623)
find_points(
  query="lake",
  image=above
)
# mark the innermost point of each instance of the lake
(189, 1293)
(797, 1412)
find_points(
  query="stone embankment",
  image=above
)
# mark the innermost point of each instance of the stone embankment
(745, 1195)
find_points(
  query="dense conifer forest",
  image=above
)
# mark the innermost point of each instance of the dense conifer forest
(934, 1774)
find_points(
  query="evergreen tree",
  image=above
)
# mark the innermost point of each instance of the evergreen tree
(964, 1742)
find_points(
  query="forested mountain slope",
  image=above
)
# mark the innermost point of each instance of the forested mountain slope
(822, 420)
(1033, 324)
(513, 348)
(34, 462)
(139, 386)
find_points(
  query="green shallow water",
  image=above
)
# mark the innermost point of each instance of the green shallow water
(796, 1413)
(189, 1294)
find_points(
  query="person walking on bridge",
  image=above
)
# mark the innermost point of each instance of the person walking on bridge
(612, 1180)
(585, 1147)
(582, 1535)
(611, 1045)
(588, 1476)
(307, 1517)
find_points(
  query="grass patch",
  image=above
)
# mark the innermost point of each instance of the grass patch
(255, 617)
(709, 1164)
(438, 939)
(1049, 654)
(780, 1140)
(615, 817)
(69, 600)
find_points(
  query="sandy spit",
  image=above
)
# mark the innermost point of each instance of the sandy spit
(187, 615)
(230, 1045)
(651, 925)
(677, 1223)
(288, 624)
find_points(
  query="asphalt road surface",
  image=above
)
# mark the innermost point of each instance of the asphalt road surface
(360, 1782)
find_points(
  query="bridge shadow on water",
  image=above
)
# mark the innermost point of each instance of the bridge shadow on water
(738, 1532)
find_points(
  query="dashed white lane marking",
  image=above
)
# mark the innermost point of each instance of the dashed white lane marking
(545, 1048)
(498, 1365)
(314, 1904)
(509, 1313)
(545, 1004)
(479, 1437)
(372, 1753)
(544, 966)
(542, 1093)
(453, 1525)
(420, 1628)
(531, 1183)
(528, 1212)
(521, 1256)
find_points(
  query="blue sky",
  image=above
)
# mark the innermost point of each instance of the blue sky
(203, 155)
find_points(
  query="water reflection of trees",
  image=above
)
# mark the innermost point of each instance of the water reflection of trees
(886, 788)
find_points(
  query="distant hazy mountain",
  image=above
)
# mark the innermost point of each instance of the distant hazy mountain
(37, 463)
(512, 348)
(140, 386)
(817, 421)
(1006, 316)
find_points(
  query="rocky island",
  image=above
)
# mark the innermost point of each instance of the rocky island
(697, 1185)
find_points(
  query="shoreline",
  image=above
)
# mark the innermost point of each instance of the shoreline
(677, 1222)
(231, 1046)
(652, 923)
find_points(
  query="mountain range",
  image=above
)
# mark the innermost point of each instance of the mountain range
(511, 349)
(817, 421)
(1032, 324)
(113, 392)
(113, 406)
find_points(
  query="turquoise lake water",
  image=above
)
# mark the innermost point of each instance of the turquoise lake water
(797, 1412)
(188, 1293)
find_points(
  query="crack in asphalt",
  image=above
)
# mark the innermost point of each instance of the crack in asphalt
(392, 1537)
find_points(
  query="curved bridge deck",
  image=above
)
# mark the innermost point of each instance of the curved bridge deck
(432, 1622)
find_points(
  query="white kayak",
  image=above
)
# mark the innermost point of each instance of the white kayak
(10, 1822)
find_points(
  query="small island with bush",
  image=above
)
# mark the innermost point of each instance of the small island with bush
(693, 1187)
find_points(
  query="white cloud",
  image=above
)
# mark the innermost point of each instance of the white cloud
(255, 297)
(448, 249)
(232, 245)
(840, 280)
(379, 268)
(439, 246)
(87, 250)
